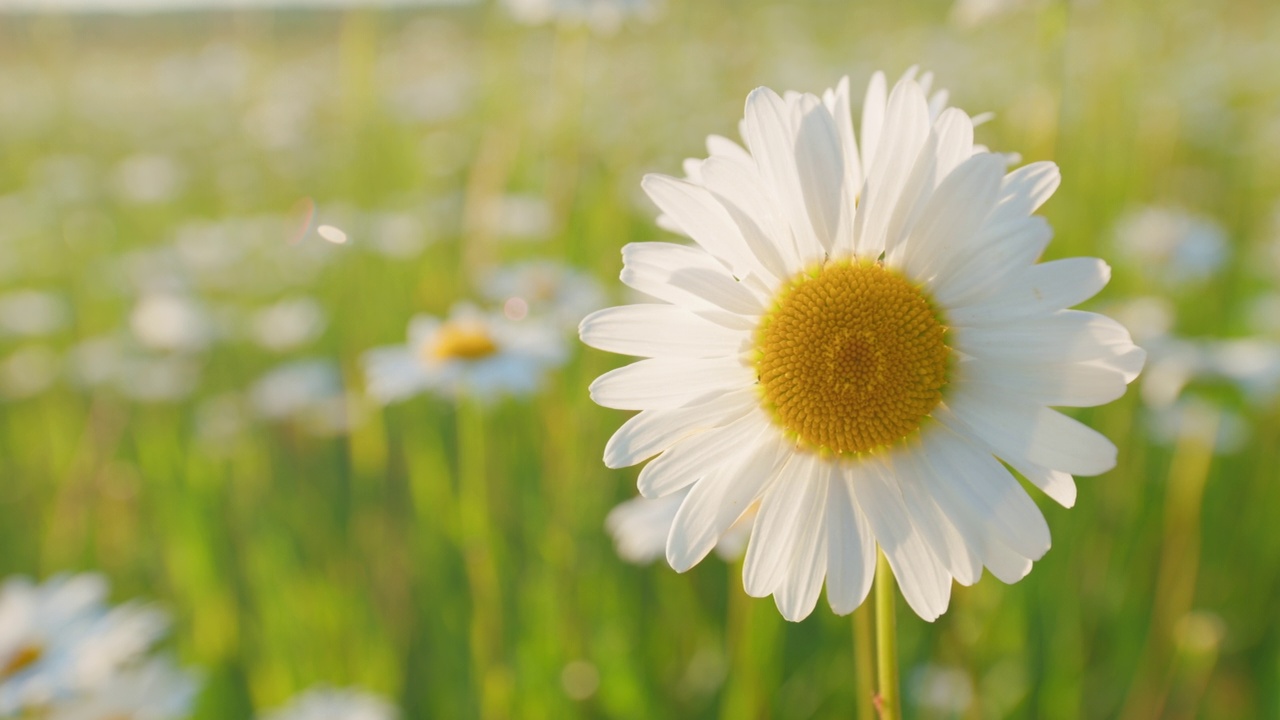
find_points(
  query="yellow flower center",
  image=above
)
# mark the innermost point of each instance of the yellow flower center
(461, 341)
(26, 656)
(851, 358)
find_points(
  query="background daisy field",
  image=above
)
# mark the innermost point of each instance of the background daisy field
(184, 409)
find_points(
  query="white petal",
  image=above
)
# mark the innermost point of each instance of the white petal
(702, 218)
(772, 141)
(820, 167)
(658, 331)
(798, 594)
(1079, 384)
(717, 501)
(1039, 290)
(837, 102)
(699, 455)
(949, 144)
(924, 582)
(649, 266)
(1027, 188)
(906, 129)
(913, 478)
(668, 382)
(970, 477)
(652, 431)
(741, 191)
(1019, 431)
(789, 504)
(954, 214)
(873, 112)
(995, 252)
(851, 548)
(1068, 336)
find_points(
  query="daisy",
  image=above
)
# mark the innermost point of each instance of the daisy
(469, 353)
(336, 704)
(59, 639)
(858, 338)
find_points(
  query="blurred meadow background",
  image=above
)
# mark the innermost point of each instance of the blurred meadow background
(208, 217)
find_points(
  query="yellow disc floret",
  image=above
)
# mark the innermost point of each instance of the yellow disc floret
(461, 341)
(25, 657)
(851, 358)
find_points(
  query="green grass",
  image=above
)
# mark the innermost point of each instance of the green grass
(289, 559)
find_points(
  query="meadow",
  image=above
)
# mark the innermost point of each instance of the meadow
(184, 407)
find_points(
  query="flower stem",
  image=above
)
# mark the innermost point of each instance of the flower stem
(477, 539)
(888, 700)
(864, 661)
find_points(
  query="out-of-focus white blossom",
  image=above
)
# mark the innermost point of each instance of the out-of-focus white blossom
(336, 704)
(544, 288)
(1201, 420)
(147, 179)
(309, 392)
(469, 354)
(1171, 246)
(171, 321)
(288, 324)
(32, 313)
(62, 647)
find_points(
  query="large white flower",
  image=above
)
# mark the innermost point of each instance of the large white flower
(860, 331)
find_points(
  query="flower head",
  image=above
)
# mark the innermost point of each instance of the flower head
(857, 338)
(62, 647)
(469, 353)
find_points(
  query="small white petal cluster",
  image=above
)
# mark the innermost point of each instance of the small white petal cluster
(912, 193)
(522, 351)
(66, 654)
(335, 704)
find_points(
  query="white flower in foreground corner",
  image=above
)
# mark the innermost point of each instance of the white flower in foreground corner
(59, 639)
(854, 340)
(336, 704)
(470, 354)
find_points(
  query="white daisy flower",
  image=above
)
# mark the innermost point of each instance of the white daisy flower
(544, 288)
(640, 527)
(470, 353)
(154, 690)
(59, 639)
(859, 337)
(336, 704)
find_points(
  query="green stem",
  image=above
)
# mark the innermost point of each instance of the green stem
(477, 538)
(864, 660)
(890, 702)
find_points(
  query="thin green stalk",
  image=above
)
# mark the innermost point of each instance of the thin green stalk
(888, 699)
(864, 660)
(477, 540)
